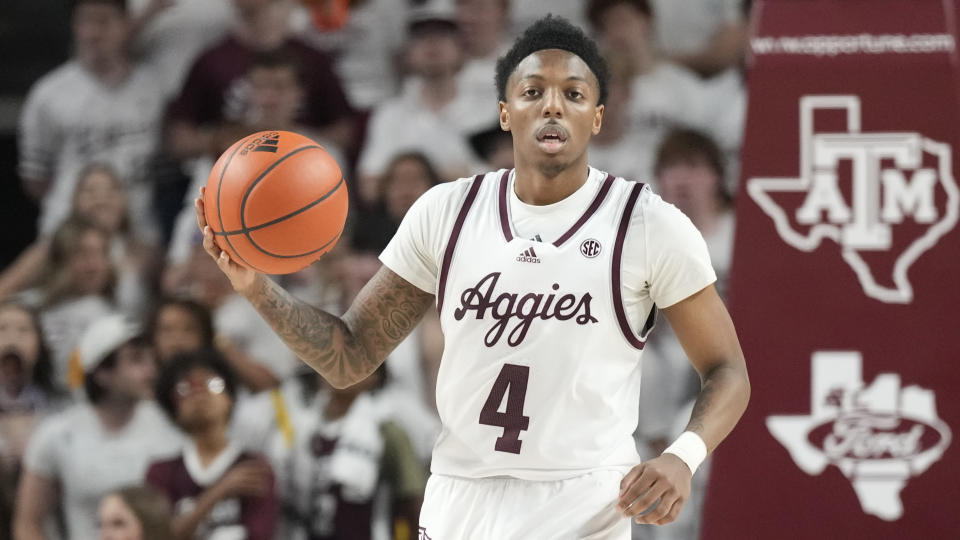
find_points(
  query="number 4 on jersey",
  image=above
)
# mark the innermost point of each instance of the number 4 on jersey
(511, 382)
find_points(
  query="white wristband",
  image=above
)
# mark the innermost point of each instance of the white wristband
(690, 448)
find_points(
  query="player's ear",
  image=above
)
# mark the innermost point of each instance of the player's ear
(597, 119)
(504, 116)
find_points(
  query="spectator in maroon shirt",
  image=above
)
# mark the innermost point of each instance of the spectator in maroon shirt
(216, 90)
(214, 487)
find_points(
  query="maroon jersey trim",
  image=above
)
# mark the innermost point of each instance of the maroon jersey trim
(454, 236)
(502, 205)
(597, 201)
(617, 259)
(505, 219)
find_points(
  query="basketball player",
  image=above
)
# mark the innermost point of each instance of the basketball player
(547, 278)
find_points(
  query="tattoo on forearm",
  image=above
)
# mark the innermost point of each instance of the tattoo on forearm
(345, 350)
(701, 407)
(715, 403)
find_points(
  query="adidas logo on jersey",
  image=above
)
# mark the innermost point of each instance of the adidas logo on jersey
(528, 256)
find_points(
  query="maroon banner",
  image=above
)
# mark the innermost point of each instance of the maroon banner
(845, 284)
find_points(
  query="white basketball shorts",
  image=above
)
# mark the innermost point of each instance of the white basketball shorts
(584, 507)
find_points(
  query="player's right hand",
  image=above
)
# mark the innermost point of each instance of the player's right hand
(242, 278)
(655, 490)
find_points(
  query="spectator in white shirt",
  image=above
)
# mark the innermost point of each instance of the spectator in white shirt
(364, 40)
(523, 13)
(98, 106)
(484, 28)
(168, 35)
(79, 455)
(434, 114)
(663, 95)
(708, 36)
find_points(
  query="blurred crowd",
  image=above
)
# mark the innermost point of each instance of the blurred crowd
(141, 397)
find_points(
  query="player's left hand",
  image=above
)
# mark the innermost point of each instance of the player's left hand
(655, 490)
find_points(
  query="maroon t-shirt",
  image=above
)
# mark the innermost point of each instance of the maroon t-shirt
(215, 88)
(257, 515)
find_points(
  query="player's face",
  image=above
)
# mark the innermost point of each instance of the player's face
(99, 31)
(202, 400)
(117, 520)
(551, 110)
(100, 198)
(176, 331)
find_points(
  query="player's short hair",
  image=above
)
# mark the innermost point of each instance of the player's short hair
(181, 365)
(691, 146)
(552, 32)
(597, 8)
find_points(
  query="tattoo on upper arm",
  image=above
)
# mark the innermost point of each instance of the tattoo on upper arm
(345, 350)
(386, 311)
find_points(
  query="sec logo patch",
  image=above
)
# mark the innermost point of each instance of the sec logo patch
(590, 248)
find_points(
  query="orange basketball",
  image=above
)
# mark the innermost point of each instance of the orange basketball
(276, 202)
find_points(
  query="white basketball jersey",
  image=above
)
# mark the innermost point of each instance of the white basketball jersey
(540, 376)
(537, 380)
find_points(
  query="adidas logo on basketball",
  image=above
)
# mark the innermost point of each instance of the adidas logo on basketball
(529, 256)
(265, 143)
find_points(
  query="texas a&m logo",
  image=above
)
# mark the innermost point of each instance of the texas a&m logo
(861, 190)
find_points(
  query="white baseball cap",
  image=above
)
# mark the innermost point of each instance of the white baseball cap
(104, 336)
